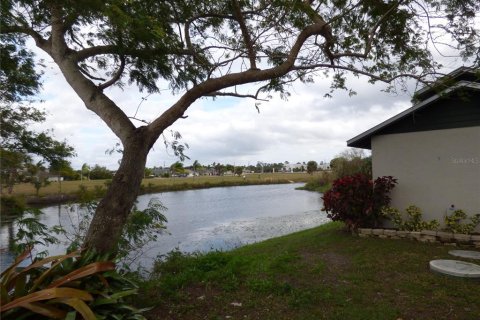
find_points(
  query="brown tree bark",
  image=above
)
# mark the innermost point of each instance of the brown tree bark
(113, 210)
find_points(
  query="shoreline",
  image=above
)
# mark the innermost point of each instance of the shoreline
(63, 198)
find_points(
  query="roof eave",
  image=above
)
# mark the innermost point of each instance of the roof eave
(451, 75)
(357, 140)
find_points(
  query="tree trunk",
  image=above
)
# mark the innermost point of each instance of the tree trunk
(112, 212)
(12, 177)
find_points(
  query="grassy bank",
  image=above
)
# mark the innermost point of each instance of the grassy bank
(320, 182)
(322, 273)
(70, 188)
(315, 187)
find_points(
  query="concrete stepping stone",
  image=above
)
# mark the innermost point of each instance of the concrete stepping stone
(469, 254)
(456, 268)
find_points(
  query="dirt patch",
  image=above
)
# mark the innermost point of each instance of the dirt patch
(335, 261)
(194, 302)
(329, 264)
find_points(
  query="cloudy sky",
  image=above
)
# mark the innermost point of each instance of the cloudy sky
(306, 127)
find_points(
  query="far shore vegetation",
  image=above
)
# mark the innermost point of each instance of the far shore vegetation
(68, 190)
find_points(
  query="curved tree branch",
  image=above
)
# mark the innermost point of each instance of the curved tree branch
(95, 51)
(86, 73)
(215, 84)
(39, 40)
(116, 76)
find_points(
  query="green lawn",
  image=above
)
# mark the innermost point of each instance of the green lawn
(322, 273)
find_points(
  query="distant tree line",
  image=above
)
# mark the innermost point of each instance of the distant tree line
(219, 169)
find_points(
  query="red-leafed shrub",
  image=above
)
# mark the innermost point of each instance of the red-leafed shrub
(357, 200)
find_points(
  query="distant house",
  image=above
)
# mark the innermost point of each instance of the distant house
(54, 178)
(433, 148)
(293, 167)
(160, 171)
(323, 165)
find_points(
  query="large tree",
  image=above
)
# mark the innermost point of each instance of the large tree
(212, 48)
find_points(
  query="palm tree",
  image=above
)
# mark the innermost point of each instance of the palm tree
(195, 165)
(85, 169)
(177, 167)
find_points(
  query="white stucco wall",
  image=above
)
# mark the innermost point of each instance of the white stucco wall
(435, 169)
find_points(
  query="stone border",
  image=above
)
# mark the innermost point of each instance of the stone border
(446, 238)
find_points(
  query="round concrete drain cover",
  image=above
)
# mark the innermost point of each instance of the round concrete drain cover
(469, 254)
(456, 268)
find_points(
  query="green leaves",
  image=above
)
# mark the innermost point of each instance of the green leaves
(32, 232)
(18, 77)
(457, 222)
(18, 143)
(413, 220)
(64, 286)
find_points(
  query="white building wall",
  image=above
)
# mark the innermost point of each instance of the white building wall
(435, 169)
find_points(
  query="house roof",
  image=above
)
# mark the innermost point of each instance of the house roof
(457, 75)
(428, 95)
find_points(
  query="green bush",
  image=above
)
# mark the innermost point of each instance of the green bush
(453, 223)
(413, 222)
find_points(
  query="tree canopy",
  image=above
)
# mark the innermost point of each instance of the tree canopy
(312, 166)
(20, 81)
(213, 48)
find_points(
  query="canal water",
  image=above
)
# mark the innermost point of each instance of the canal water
(206, 219)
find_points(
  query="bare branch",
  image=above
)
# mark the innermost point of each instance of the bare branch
(116, 76)
(246, 34)
(140, 120)
(86, 73)
(234, 94)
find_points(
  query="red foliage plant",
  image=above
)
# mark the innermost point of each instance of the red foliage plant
(357, 200)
